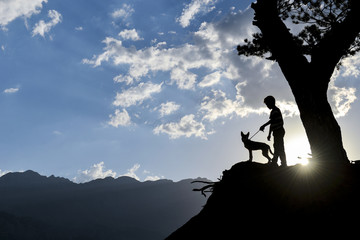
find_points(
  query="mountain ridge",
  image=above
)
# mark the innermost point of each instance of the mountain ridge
(121, 208)
(125, 179)
(30, 177)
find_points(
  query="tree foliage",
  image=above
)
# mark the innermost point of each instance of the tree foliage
(314, 17)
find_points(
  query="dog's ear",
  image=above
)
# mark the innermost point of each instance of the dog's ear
(242, 134)
(248, 134)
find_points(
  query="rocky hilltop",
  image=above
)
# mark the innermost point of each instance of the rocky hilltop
(256, 200)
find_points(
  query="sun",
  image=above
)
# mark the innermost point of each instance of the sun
(297, 150)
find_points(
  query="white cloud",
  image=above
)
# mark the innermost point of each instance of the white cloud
(125, 12)
(58, 133)
(213, 49)
(99, 171)
(12, 9)
(130, 34)
(79, 28)
(160, 44)
(132, 172)
(94, 172)
(152, 178)
(136, 95)
(193, 8)
(351, 66)
(126, 79)
(3, 172)
(210, 79)
(43, 27)
(288, 108)
(218, 106)
(153, 59)
(184, 79)
(168, 108)
(11, 90)
(187, 126)
(340, 98)
(120, 118)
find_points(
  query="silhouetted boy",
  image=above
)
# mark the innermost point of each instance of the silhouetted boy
(276, 123)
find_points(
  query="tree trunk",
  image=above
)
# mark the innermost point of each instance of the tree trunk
(308, 82)
(309, 87)
(322, 129)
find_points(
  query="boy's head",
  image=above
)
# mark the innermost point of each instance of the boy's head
(270, 102)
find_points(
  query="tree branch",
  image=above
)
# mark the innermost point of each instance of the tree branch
(204, 189)
(337, 42)
(280, 41)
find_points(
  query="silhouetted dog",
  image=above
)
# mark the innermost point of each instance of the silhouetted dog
(251, 146)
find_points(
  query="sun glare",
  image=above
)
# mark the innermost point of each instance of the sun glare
(297, 151)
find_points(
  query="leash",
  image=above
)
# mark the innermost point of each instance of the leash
(254, 134)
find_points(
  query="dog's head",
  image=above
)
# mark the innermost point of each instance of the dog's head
(245, 137)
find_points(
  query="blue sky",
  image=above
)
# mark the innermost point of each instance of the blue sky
(148, 89)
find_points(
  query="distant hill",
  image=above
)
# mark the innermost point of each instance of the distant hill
(259, 201)
(38, 207)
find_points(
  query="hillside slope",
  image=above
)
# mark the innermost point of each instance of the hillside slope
(258, 200)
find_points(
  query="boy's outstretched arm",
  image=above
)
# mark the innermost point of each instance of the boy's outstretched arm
(263, 126)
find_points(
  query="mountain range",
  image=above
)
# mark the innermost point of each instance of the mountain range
(39, 207)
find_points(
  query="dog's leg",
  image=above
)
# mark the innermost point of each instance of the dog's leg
(270, 150)
(250, 156)
(266, 154)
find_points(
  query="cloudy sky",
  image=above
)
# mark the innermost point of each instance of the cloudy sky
(147, 89)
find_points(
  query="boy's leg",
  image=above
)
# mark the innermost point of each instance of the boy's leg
(276, 155)
(279, 150)
(282, 154)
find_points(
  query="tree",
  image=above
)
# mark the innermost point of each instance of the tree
(308, 59)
